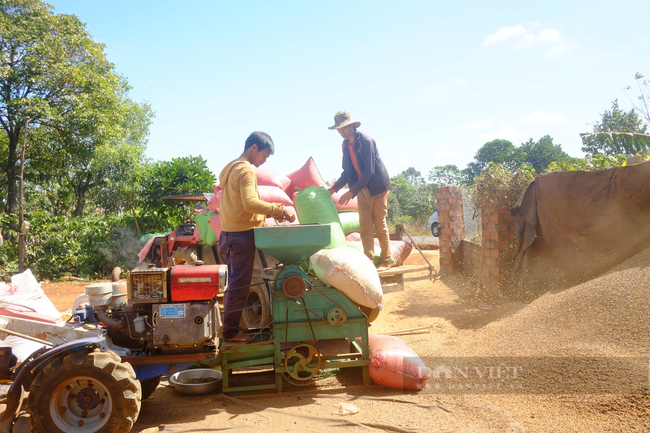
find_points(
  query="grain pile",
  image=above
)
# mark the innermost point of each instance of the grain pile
(606, 316)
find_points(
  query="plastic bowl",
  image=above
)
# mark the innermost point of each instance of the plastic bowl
(196, 388)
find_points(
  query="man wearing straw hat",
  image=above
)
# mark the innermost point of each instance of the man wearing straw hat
(367, 179)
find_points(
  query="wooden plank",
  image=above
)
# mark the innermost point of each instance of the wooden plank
(398, 270)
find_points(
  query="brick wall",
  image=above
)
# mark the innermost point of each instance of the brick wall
(499, 239)
(450, 224)
(494, 262)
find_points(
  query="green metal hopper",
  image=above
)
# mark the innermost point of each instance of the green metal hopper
(290, 244)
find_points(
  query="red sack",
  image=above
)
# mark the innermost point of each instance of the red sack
(269, 194)
(271, 178)
(351, 206)
(273, 194)
(215, 223)
(399, 250)
(353, 237)
(215, 202)
(305, 176)
(394, 364)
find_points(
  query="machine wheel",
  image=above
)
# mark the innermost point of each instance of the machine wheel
(183, 256)
(303, 362)
(85, 392)
(149, 386)
(259, 316)
(434, 229)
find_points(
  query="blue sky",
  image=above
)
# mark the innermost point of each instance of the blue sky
(431, 82)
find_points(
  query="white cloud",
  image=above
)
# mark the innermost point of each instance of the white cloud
(559, 49)
(459, 82)
(432, 92)
(525, 38)
(541, 117)
(503, 34)
(544, 35)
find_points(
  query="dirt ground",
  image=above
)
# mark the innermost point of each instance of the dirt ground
(454, 325)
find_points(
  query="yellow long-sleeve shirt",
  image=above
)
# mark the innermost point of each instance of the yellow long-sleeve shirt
(241, 207)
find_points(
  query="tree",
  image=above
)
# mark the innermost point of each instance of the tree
(643, 98)
(53, 73)
(406, 202)
(496, 151)
(413, 176)
(442, 175)
(618, 132)
(187, 175)
(541, 153)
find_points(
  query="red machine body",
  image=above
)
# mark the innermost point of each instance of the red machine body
(197, 282)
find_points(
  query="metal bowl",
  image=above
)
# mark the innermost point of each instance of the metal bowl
(196, 388)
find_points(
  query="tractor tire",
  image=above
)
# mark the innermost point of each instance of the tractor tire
(184, 256)
(149, 386)
(85, 392)
(261, 315)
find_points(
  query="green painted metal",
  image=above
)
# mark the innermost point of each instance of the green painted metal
(292, 243)
(304, 320)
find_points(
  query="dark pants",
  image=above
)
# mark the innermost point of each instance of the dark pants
(237, 251)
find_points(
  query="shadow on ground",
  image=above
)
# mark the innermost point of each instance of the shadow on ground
(453, 298)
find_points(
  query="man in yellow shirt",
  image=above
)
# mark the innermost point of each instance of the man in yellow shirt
(242, 211)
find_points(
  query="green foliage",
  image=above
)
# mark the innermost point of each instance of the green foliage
(596, 162)
(643, 98)
(497, 151)
(408, 203)
(187, 175)
(53, 73)
(413, 176)
(442, 175)
(498, 181)
(539, 154)
(618, 132)
(89, 246)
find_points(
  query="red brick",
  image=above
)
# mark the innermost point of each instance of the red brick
(508, 218)
(494, 235)
(494, 218)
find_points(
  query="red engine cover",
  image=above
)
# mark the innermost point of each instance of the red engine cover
(197, 283)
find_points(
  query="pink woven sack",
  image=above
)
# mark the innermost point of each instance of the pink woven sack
(272, 178)
(305, 176)
(394, 364)
(351, 206)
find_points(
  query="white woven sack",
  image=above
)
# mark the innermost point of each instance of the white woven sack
(351, 272)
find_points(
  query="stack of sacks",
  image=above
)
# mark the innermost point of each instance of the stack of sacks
(308, 175)
(273, 188)
(268, 193)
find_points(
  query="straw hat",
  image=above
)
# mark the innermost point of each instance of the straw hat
(342, 119)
